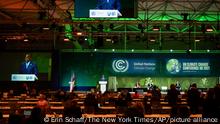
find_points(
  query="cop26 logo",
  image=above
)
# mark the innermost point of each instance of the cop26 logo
(120, 65)
(173, 66)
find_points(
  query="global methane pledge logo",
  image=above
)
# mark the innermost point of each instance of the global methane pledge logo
(173, 66)
(120, 65)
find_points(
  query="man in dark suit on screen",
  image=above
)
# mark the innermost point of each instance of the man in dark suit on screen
(109, 4)
(28, 67)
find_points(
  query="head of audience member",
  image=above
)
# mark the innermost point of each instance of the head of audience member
(172, 87)
(42, 102)
(194, 86)
(135, 110)
(184, 112)
(71, 109)
(15, 117)
(37, 116)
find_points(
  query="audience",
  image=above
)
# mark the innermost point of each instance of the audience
(125, 105)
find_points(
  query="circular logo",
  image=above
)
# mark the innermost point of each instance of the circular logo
(173, 66)
(120, 65)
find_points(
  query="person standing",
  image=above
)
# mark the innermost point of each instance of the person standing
(109, 4)
(28, 66)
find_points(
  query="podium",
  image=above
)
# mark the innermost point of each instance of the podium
(102, 86)
(97, 13)
(23, 77)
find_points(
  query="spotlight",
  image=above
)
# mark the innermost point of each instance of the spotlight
(152, 50)
(132, 50)
(113, 50)
(208, 50)
(171, 50)
(95, 49)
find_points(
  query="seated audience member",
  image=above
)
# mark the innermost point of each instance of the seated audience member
(172, 95)
(25, 89)
(71, 109)
(135, 110)
(91, 103)
(42, 103)
(180, 112)
(156, 94)
(128, 96)
(209, 105)
(217, 100)
(37, 116)
(15, 117)
(60, 95)
(155, 99)
(136, 95)
(184, 112)
(1, 118)
(193, 98)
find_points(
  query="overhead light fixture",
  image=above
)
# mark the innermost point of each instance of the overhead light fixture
(132, 50)
(152, 50)
(197, 40)
(171, 50)
(208, 50)
(209, 29)
(46, 28)
(79, 33)
(113, 50)
(26, 40)
(156, 28)
(66, 39)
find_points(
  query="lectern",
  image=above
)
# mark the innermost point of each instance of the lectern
(23, 77)
(103, 86)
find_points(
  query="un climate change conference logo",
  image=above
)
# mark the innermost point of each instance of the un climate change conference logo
(173, 66)
(120, 65)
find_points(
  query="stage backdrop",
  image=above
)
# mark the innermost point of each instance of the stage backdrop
(123, 70)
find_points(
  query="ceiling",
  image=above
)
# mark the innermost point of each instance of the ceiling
(43, 24)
